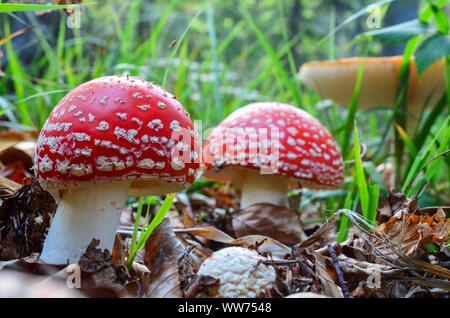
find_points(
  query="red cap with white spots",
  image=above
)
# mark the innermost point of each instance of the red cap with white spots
(261, 134)
(118, 128)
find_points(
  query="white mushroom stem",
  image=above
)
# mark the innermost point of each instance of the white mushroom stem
(263, 188)
(82, 215)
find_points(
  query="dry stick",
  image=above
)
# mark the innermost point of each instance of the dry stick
(338, 271)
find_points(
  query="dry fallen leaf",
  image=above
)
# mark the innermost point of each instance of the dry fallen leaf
(328, 285)
(8, 185)
(25, 217)
(202, 285)
(412, 232)
(98, 271)
(277, 222)
(225, 197)
(161, 245)
(262, 243)
(165, 282)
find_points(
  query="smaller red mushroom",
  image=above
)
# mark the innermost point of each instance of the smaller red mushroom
(107, 139)
(263, 148)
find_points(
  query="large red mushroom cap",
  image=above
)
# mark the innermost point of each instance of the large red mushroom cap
(115, 129)
(261, 135)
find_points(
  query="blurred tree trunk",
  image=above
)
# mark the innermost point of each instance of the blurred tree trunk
(398, 12)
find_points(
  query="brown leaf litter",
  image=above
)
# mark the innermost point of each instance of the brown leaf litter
(25, 217)
(391, 260)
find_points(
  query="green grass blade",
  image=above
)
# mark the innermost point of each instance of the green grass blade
(344, 225)
(218, 109)
(18, 75)
(406, 140)
(133, 246)
(373, 203)
(353, 17)
(421, 159)
(360, 176)
(18, 7)
(177, 46)
(156, 221)
(273, 56)
(149, 46)
(351, 113)
(431, 166)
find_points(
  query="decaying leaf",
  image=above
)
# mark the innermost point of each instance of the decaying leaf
(186, 209)
(328, 283)
(164, 283)
(100, 272)
(118, 254)
(262, 243)
(319, 236)
(412, 232)
(161, 245)
(202, 285)
(225, 197)
(277, 222)
(8, 185)
(25, 217)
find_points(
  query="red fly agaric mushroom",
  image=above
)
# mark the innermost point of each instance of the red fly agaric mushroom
(107, 139)
(263, 148)
(336, 80)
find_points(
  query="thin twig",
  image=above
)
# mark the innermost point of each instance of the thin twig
(338, 271)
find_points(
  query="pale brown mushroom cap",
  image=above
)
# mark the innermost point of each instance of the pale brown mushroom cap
(336, 80)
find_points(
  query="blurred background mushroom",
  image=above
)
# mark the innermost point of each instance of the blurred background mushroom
(336, 80)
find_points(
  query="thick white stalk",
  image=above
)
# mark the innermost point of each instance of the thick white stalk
(82, 215)
(259, 188)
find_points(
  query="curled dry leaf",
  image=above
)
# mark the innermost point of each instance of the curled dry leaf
(225, 197)
(99, 272)
(183, 201)
(277, 222)
(261, 243)
(24, 219)
(8, 185)
(413, 232)
(17, 159)
(356, 271)
(329, 286)
(22, 141)
(118, 254)
(202, 285)
(318, 238)
(161, 245)
(163, 283)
